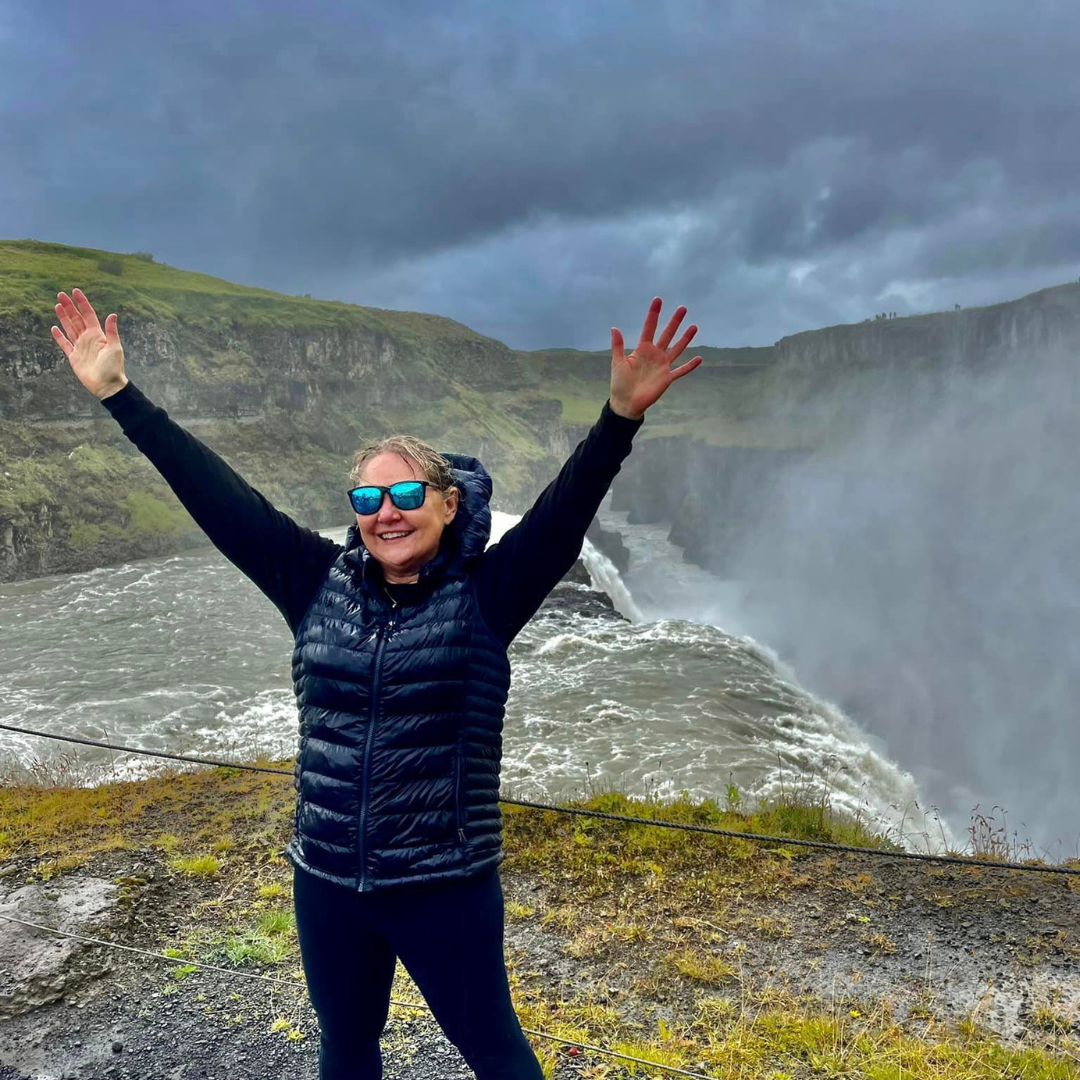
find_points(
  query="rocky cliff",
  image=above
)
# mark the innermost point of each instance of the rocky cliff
(714, 497)
(822, 383)
(284, 388)
(714, 481)
(1045, 322)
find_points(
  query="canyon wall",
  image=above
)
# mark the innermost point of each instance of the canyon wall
(286, 389)
(821, 389)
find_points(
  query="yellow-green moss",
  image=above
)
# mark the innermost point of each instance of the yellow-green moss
(196, 865)
(669, 896)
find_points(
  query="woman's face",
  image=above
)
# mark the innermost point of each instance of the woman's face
(402, 557)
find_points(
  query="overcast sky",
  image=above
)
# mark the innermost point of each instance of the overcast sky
(540, 170)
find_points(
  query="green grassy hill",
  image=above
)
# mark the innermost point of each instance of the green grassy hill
(283, 387)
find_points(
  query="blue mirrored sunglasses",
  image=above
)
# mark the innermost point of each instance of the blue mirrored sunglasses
(405, 495)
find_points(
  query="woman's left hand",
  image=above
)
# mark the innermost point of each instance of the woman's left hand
(640, 379)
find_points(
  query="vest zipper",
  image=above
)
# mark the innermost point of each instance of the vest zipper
(380, 640)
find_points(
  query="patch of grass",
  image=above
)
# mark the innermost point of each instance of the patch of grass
(32, 272)
(1047, 1018)
(712, 1012)
(256, 948)
(880, 942)
(268, 939)
(279, 921)
(49, 810)
(153, 516)
(289, 1031)
(791, 1040)
(709, 968)
(582, 408)
(196, 865)
(628, 931)
(769, 927)
(566, 917)
(787, 1039)
(602, 856)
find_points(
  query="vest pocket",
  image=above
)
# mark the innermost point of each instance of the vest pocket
(459, 796)
(299, 796)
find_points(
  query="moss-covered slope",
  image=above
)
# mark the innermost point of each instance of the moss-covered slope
(283, 387)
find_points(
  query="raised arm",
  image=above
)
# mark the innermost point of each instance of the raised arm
(533, 557)
(528, 562)
(285, 560)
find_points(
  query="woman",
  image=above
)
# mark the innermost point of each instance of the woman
(401, 676)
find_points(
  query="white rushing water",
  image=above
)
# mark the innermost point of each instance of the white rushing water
(184, 654)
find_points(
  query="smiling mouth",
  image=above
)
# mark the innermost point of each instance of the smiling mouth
(389, 538)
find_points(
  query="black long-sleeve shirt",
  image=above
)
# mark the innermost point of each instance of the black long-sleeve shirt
(288, 562)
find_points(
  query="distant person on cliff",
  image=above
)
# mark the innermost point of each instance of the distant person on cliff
(401, 677)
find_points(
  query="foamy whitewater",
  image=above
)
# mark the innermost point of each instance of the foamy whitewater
(185, 654)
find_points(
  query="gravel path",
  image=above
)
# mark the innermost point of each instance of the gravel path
(121, 1027)
(959, 941)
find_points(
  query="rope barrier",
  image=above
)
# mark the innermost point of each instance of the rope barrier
(597, 814)
(795, 842)
(295, 983)
(148, 753)
(760, 838)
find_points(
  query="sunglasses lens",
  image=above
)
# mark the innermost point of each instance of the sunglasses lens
(367, 500)
(407, 495)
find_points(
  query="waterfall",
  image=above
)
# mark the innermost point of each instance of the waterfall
(603, 573)
(606, 578)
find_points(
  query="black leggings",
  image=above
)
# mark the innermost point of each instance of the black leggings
(450, 940)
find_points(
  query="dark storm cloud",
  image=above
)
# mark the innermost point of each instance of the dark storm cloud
(348, 150)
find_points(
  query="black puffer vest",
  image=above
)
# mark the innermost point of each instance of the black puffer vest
(401, 712)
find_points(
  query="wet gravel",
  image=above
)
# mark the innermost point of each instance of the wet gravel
(212, 1027)
(955, 942)
(119, 1015)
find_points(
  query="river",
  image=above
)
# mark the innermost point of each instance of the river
(184, 654)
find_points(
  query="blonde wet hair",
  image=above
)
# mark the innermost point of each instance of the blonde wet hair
(434, 467)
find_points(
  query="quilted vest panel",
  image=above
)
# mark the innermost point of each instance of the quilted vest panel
(401, 713)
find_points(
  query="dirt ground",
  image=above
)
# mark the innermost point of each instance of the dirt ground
(941, 943)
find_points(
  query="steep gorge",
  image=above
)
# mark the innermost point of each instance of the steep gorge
(286, 388)
(716, 483)
(285, 401)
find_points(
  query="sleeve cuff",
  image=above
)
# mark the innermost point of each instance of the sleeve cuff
(128, 406)
(609, 416)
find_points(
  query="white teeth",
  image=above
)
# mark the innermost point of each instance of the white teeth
(392, 536)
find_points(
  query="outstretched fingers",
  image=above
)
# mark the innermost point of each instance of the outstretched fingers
(58, 337)
(617, 344)
(70, 318)
(86, 309)
(685, 369)
(651, 319)
(672, 327)
(684, 340)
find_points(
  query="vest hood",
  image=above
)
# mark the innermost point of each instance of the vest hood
(470, 530)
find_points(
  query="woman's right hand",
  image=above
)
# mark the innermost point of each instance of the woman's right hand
(96, 355)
